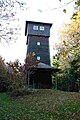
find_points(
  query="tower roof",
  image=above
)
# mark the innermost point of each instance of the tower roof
(47, 67)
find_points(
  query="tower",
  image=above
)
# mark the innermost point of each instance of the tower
(38, 34)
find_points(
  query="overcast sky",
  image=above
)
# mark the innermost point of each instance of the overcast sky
(42, 11)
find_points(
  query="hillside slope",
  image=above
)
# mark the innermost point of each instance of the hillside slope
(41, 105)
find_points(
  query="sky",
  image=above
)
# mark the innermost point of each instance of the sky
(50, 11)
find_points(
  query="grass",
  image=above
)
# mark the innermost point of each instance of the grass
(41, 105)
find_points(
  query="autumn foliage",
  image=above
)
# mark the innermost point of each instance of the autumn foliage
(68, 56)
(14, 76)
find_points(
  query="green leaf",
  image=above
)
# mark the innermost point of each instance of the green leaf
(78, 3)
(64, 10)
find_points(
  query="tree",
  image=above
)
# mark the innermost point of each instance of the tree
(15, 74)
(3, 75)
(69, 46)
(30, 66)
(69, 53)
(9, 30)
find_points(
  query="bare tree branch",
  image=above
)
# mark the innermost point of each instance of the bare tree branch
(8, 15)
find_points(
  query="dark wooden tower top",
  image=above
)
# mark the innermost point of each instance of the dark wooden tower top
(38, 34)
(37, 28)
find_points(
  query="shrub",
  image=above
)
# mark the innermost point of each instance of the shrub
(19, 92)
(3, 84)
(3, 76)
